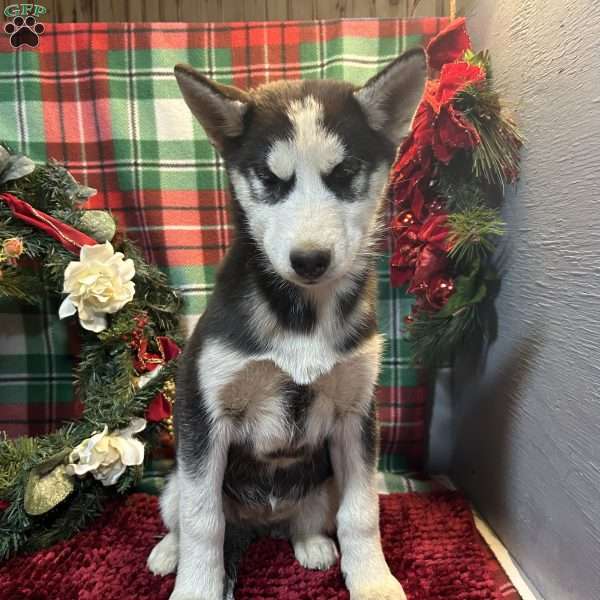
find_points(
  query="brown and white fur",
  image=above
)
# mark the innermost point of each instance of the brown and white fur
(275, 415)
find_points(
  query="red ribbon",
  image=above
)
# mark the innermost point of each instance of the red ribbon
(72, 239)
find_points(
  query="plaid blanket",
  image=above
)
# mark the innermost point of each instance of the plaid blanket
(102, 99)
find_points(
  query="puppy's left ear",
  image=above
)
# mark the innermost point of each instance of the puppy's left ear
(390, 98)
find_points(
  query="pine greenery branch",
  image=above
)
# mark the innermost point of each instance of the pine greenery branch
(49, 187)
(129, 479)
(473, 234)
(496, 157)
(143, 396)
(21, 286)
(458, 191)
(480, 59)
(14, 523)
(105, 380)
(20, 532)
(13, 454)
(435, 339)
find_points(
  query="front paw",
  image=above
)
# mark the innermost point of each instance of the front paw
(163, 558)
(184, 593)
(384, 588)
(316, 552)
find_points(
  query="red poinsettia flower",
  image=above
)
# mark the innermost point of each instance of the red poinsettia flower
(430, 262)
(454, 77)
(434, 232)
(443, 126)
(421, 251)
(448, 45)
(411, 175)
(438, 131)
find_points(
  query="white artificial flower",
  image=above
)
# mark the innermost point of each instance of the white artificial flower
(106, 455)
(99, 283)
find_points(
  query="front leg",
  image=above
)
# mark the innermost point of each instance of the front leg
(354, 457)
(200, 571)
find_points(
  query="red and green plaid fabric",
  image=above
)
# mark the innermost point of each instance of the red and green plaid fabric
(102, 99)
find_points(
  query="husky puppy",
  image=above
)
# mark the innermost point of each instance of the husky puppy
(275, 415)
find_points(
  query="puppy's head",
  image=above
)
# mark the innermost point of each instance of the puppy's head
(308, 161)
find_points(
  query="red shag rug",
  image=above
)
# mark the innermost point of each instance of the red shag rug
(430, 542)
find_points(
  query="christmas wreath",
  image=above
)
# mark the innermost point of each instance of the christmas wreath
(444, 186)
(51, 485)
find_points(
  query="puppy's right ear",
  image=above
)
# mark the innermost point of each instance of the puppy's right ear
(219, 108)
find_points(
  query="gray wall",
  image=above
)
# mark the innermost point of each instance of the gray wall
(527, 426)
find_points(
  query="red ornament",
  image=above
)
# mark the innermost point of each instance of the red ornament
(402, 222)
(436, 206)
(403, 262)
(439, 290)
(405, 219)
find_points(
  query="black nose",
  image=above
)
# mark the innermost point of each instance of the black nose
(310, 264)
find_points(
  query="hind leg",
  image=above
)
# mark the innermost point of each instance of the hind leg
(309, 529)
(163, 558)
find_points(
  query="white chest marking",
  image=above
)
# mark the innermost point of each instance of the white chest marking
(248, 393)
(305, 357)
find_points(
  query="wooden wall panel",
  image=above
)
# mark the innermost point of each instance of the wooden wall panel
(235, 10)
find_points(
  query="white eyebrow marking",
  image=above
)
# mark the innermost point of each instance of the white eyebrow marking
(311, 143)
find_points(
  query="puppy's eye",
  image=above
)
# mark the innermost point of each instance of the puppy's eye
(345, 170)
(267, 176)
